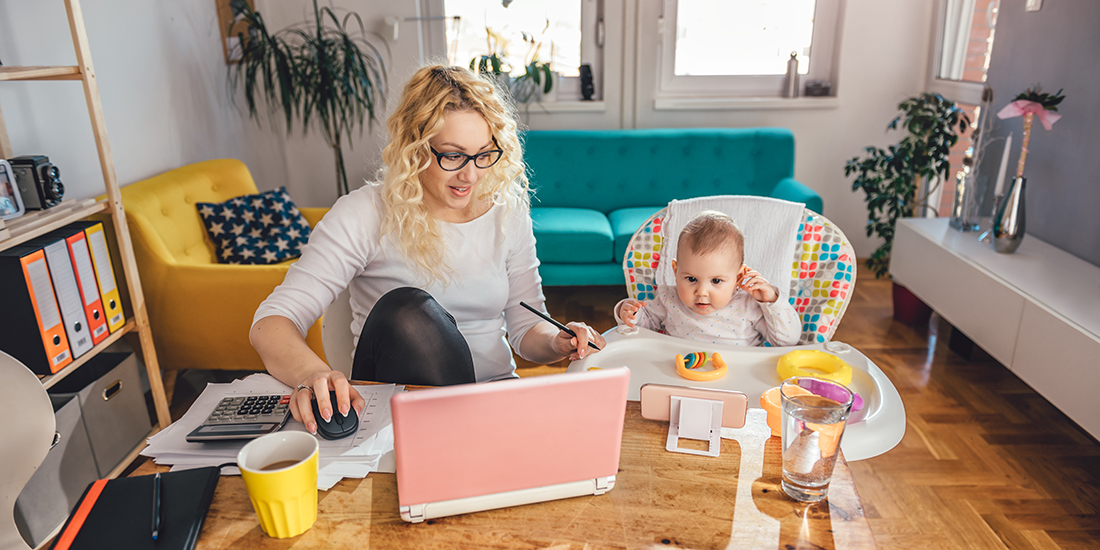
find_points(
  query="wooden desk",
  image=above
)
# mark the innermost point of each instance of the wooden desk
(660, 499)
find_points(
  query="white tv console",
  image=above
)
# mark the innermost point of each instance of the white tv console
(1037, 311)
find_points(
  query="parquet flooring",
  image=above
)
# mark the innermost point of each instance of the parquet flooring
(986, 462)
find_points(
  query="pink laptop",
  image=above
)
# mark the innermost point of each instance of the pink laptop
(478, 447)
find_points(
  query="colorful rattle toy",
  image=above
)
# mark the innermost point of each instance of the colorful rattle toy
(815, 363)
(688, 366)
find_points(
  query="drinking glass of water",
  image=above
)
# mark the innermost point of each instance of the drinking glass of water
(814, 415)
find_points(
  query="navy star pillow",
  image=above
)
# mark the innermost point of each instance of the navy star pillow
(265, 228)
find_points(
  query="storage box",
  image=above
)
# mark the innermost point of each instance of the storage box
(112, 405)
(58, 483)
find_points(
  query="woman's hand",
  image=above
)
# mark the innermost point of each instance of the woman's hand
(321, 382)
(576, 347)
(287, 357)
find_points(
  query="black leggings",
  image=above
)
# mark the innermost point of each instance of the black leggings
(409, 338)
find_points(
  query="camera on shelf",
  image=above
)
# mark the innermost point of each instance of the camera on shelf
(39, 181)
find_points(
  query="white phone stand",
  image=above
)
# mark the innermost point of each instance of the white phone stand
(692, 418)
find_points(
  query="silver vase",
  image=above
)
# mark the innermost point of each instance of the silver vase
(1008, 221)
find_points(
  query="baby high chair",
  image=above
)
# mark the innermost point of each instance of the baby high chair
(822, 279)
(823, 271)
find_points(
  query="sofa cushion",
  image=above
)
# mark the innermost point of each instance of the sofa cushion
(624, 222)
(264, 228)
(572, 235)
(611, 169)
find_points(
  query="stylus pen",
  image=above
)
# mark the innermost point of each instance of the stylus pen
(156, 506)
(563, 328)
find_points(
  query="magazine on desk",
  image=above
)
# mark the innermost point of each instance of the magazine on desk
(369, 450)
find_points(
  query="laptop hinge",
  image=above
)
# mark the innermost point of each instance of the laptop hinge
(604, 484)
(413, 514)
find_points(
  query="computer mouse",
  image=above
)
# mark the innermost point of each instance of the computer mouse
(339, 426)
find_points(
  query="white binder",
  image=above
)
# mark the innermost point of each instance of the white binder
(68, 297)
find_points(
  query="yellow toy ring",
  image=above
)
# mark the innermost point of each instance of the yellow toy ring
(815, 363)
(719, 371)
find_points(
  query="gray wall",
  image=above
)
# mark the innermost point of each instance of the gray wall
(1058, 47)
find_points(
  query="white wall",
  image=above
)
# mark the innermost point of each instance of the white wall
(162, 82)
(311, 169)
(162, 79)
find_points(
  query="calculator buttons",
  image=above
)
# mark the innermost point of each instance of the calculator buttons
(244, 417)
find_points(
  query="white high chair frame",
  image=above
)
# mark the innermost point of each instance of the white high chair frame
(823, 272)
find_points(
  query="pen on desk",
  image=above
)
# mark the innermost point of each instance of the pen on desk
(563, 328)
(156, 506)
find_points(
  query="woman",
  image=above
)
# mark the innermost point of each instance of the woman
(437, 258)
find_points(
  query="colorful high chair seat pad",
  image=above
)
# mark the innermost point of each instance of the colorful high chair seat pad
(823, 272)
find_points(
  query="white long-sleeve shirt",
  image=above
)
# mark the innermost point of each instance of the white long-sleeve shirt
(743, 322)
(494, 269)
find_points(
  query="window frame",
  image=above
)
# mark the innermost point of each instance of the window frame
(568, 88)
(824, 46)
(960, 91)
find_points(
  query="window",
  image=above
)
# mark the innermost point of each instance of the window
(726, 48)
(962, 44)
(563, 32)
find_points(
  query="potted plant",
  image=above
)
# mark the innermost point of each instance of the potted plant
(537, 78)
(902, 176)
(323, 70)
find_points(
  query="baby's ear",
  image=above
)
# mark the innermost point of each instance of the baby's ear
(673, 266)
(741, 273)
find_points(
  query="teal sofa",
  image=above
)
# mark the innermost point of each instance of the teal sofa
(594, 188)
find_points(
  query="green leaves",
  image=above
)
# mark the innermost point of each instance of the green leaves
(487, 64)
(1048, 101)
(891, 177)
(323, 70)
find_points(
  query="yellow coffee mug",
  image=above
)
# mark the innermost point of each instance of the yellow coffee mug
(280, 473)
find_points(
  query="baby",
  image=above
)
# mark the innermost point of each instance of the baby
(717, 298)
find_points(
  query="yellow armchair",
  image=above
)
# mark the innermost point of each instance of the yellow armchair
(200, 311)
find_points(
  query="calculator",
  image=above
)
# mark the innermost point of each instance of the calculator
(243, 417)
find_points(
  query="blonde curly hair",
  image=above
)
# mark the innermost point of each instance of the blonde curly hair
(432, 91)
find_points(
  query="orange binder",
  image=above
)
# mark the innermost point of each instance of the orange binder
(105, 274)
(85, 281)
(67, 293)
(31, 329)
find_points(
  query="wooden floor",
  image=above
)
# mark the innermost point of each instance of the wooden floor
(985, 463)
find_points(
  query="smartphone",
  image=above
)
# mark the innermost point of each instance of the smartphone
(656, 399)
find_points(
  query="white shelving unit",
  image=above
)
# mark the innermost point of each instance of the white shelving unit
(1036, 311)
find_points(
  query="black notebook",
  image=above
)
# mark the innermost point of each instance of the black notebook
(118, 513)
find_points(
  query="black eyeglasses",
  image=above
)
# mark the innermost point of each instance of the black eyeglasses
(452, 162)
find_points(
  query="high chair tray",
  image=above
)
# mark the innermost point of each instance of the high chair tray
(877, 428)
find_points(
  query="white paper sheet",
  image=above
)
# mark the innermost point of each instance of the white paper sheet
(353, 457)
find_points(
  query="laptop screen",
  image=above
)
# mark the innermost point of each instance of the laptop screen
(482, 439)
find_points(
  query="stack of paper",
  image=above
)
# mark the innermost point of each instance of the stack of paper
(369, 450)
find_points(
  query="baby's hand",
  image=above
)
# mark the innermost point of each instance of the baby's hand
(629, 310)
(758, 287)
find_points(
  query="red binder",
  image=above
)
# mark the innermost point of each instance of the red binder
(85, 280)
